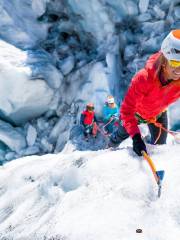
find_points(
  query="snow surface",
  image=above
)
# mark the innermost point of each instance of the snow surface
(90, 195)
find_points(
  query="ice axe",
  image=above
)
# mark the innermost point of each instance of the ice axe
(110, 121)
(158, 175)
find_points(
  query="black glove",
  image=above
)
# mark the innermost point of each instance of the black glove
(138, 144)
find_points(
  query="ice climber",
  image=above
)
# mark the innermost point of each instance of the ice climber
(110, 114)
(88, 120)
(151, 91)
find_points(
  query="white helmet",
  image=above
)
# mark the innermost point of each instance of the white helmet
(110, 99)
(171, 46)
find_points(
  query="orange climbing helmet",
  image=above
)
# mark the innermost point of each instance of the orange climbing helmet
(90, 106)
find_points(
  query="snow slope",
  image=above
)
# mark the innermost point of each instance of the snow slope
(90, 195)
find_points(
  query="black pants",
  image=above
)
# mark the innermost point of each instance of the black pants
(121, 134)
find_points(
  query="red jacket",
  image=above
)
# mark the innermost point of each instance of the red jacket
(147, 96)
(87, 117)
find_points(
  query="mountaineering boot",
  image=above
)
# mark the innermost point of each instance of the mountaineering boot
(86, 136)
(112, 144)
(117, 137)
(86, 139)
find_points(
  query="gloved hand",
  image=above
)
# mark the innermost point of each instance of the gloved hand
(138, 144)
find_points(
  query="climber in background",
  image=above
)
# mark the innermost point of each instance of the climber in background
(89, 121)
(110, 114)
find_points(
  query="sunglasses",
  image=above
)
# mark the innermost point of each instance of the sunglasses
(90, 108)
(174, 63)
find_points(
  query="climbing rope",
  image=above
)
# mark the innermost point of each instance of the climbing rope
(160, 126)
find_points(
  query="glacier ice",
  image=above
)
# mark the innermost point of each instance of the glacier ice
(143, 5)
(21, 98)
(31, 135)
(11, 137)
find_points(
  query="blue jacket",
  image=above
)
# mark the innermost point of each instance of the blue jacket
(109, 112)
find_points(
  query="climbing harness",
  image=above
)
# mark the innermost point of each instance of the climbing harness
(160, 126)
(175, 134)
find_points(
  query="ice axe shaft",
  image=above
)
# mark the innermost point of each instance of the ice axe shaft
(152, 166)
(159, 175)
